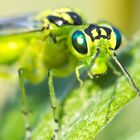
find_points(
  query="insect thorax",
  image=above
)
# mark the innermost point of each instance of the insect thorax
(60, 17)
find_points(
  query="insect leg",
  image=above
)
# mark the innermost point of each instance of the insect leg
(80, 66)
(54, 105)
(92, 62)
(25, 112)
(77, 73)
(96, 55)
(114, 56)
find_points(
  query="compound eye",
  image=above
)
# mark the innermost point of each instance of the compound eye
(118, 38)
(79, 42)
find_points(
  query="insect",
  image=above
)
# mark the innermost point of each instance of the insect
(57, 43)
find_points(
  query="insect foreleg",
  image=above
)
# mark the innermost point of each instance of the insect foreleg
(114, 56)
(77, 73)
(25, 112)
(81, 66)
(92, 62)
(96, 55)
(54, 105)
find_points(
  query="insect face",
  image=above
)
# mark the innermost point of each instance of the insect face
(115, 37)
(94, 44)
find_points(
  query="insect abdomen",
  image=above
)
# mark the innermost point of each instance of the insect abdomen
(11, 49)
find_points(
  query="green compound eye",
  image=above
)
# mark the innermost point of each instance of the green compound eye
(79, 42)
(118, 38)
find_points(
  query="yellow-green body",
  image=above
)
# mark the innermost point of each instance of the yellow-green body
(36, 51)
(36, 54)
(50, 46)
(57, 43)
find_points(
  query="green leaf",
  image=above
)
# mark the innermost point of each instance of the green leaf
(88, 109)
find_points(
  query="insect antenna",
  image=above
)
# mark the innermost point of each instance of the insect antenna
(115, 58)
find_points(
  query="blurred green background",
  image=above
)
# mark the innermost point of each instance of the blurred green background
(125, 14)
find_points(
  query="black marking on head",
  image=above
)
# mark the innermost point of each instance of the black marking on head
(79, 42)
(118, 38)
(75, 17)
(92, 27)
(108, 32)
(89, 29)
(58, 20)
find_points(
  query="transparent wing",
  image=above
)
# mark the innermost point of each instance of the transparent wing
(18, 25)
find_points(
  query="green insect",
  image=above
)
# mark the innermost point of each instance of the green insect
(57, 43)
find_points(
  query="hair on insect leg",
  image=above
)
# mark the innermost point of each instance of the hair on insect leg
(54, 105)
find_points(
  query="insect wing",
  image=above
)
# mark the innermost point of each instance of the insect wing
(19, 25)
